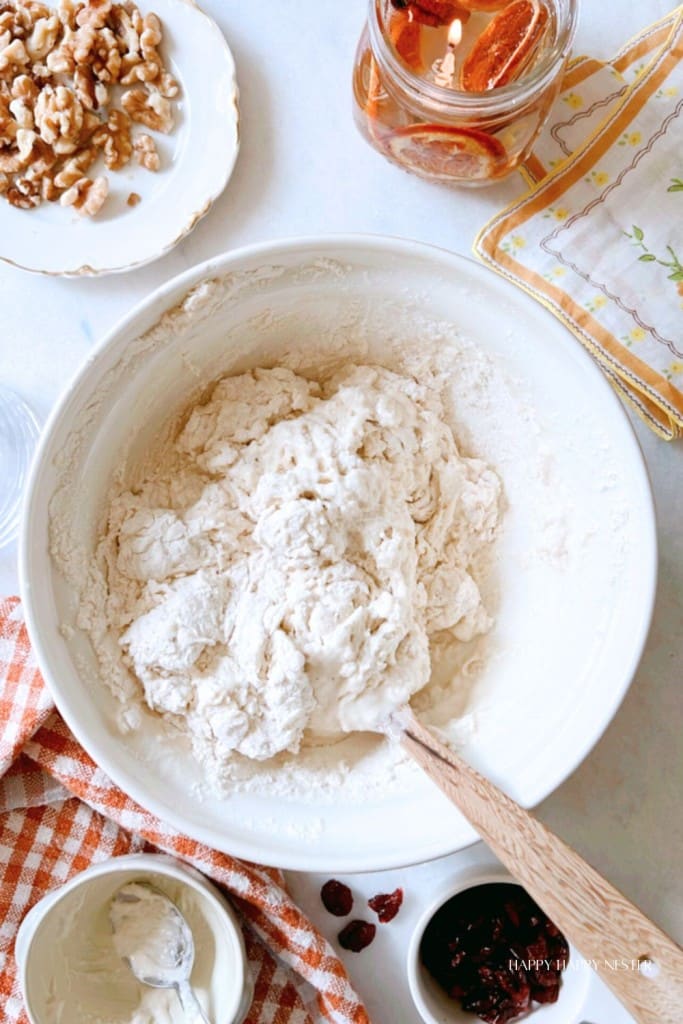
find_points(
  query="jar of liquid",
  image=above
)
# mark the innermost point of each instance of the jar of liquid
(457, 92)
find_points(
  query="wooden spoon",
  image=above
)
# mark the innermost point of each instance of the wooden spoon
(642, 965)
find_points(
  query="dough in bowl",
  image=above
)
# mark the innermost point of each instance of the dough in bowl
(281, 569)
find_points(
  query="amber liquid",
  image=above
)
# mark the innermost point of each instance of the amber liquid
(490, 146)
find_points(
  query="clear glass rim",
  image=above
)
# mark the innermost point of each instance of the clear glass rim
(455, 101)
(20, 430)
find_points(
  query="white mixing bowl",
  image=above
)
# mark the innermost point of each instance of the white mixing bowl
(575, 581)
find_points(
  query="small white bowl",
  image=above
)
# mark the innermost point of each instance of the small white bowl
(42, 947)
(436, 1007)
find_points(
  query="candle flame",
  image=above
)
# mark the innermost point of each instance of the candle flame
(455, 33)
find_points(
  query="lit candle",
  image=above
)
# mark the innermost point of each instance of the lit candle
(444, 69)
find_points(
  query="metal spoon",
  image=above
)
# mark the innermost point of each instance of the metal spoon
(154, 939)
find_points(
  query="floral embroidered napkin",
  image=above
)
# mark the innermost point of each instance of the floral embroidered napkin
(598, 238)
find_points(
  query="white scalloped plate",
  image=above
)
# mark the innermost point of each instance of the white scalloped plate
(197, 159)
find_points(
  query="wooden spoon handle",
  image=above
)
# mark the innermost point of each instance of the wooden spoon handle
(642, 965)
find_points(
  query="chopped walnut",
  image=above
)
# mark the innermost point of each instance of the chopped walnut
(48, 189)
(4, 184)
(41, 75)
(25, 193)
(133, 199)
(32, 158)
(24, 88)
(76, 167)
(92, 93)
(148, 108)
(91, 123)
(150, 38)
(141, 60)
(8, 126)
(10, 161)
(146, 152)
(25, 141)
(43, 37)
(127, 25)
(43, 158)
(94, 13)
(98, 48)
(134, 70)
(61, 60)
(36, 11)
(86, 196)
(17, 159)
(83, 43)
(66, 12)
(15, 22)
(114, 140)
(22, 112)
(168, 86)
(13, 53)
(59, 118)
(84, 86)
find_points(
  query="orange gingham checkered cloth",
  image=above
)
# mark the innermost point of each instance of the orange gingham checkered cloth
(59, 813)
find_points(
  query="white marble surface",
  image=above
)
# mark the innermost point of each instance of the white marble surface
(304, 170)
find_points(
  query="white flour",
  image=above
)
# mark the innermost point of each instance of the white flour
(278, 576)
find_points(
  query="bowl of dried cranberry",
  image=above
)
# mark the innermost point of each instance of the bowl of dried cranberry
(484, 951)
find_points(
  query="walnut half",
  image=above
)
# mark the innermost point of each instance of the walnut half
(148, 108)
(86, 195)
(58, 115)
(146, 152)
(114, 140)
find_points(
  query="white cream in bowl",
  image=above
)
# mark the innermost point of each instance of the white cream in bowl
(70, 969)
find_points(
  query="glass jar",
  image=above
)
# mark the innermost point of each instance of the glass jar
(442, 132)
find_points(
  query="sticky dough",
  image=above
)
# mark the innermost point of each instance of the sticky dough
(282, 569)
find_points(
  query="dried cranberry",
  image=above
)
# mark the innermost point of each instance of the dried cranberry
(541, 977)
(337, 898)
(559, 947)
(511, 912)
(548, 994)
(478, 947)
(387, 905)
(537, 950)
(356, 935)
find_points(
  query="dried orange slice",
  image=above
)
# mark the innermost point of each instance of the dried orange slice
(505, 45)
(442, 153)
(483, 5)
(375, 96)
(405, 33)
(430, 12)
